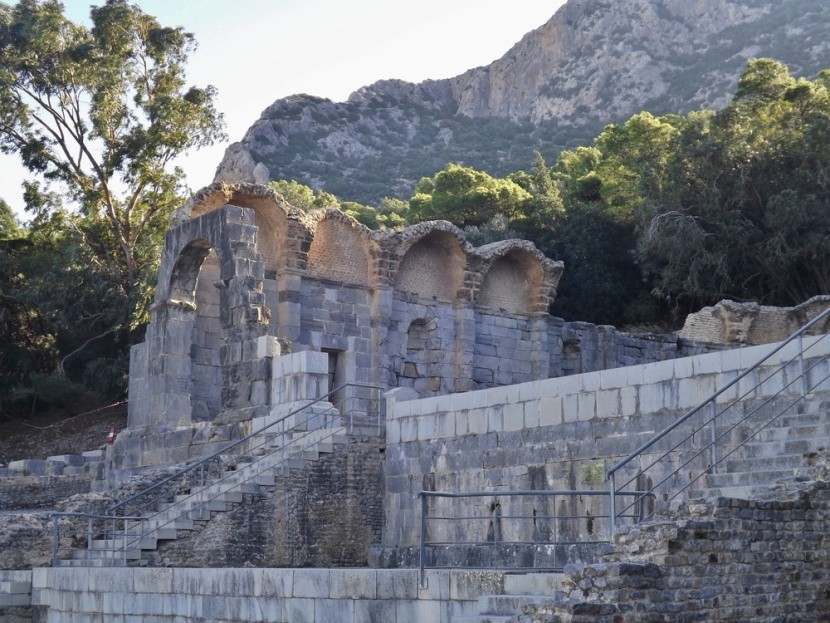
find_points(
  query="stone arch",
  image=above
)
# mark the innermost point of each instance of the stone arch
(229, 285)
(512, 283)
(339, 250)
(424, 355)
(433, 267)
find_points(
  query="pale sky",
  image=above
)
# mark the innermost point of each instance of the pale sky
(257, 51)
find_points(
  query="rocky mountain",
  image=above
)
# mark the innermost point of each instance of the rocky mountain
(594, 62)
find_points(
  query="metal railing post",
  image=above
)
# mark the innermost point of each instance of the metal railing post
(713, 421)
(423, 546)
(801, 370)
(55, 538)
(612, 504)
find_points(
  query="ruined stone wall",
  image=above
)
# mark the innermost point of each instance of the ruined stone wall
(503, 350)
(731, 560)
(327, 514)
(729, 322)
(40, 492)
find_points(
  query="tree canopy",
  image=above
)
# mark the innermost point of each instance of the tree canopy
(98, 116)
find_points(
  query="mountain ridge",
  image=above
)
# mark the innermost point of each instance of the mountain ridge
(594, 62)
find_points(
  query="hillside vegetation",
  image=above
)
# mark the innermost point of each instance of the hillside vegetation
(594, 62)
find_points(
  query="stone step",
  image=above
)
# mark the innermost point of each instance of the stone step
(532, 583)
(484, 618)
(766, 463)
(15, 588)
(732, 479)
(765, 449)
(93, 455)
(802, 419)
(67, 459)
(15, 601)
(808, 431)
(511, 605)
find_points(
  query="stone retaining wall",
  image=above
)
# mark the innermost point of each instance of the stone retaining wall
(561, 433)
(267, 595)
(733, 560)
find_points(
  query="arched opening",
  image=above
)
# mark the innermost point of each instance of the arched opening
(571, 357)
(433, 267)
(424, 353)
(206, 339)
(338, 253)
(511, 284)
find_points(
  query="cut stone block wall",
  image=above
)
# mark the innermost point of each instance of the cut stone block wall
(262, 595)
(720, 560)
(551, 434)
(327, 514)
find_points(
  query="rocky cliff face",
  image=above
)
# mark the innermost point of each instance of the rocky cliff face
(593, 62)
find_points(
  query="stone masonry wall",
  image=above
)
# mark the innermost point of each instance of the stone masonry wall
(559, 433)
(327, 514)
(258, 595)
(39, 492)
(765, 561)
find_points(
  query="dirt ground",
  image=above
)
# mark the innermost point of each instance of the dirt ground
(58, 431)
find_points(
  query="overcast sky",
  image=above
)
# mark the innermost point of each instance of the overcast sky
(257, 51)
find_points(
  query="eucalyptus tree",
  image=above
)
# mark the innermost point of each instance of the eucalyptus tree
(99, 115)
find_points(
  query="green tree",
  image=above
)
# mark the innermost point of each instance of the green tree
(747, 212)
(302, 196)
(465, 197)
(103, 112)
(9, 227)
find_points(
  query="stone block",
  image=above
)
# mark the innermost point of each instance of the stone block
(312, 583)
(398, 584)
(550, 411)
(426, 427)
(298, 610)
(613, 378)
(417, 611)
(495, 419)
(153, 580)
(628, 401)
(513, 416)
(353, 584)
(382, 610)
(608, 403)
(477, 421)
(650, 398)
(586, 406)
(409, 429)
(531, 413)
(334, 611)
(470, 585)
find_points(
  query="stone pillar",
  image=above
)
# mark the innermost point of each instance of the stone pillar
(540, 355)
(465, 344)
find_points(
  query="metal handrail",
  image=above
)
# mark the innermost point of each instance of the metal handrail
(712, 421)
(149, 525)
(235, 444)
(562, 493)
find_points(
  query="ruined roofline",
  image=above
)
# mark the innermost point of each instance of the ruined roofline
(390, 243)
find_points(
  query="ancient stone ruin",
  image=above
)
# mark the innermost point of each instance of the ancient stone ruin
(246, 278)
(319, 409)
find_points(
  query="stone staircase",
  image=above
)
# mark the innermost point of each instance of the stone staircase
(776, 454)
(275, 455)
(521, 591)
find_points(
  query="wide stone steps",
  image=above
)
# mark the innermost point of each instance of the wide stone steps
(776, 453)
(520, 590)
(188, 510)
